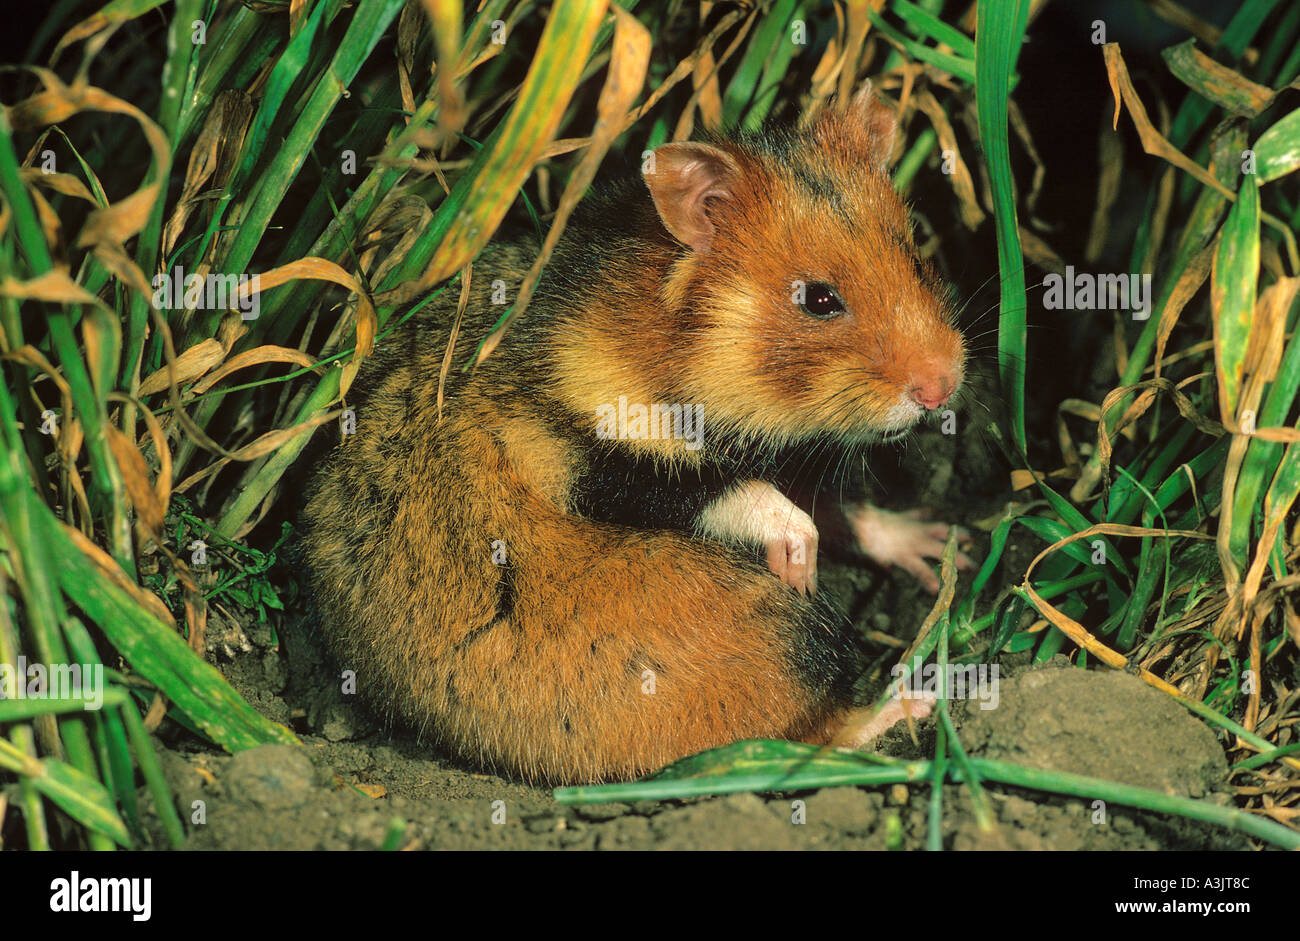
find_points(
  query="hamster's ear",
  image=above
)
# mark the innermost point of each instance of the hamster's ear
(683, 178)
(864, 130)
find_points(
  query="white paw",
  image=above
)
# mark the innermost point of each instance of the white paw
(904, 539)
(756, 513)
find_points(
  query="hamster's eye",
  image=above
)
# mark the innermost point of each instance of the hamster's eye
(821, 301)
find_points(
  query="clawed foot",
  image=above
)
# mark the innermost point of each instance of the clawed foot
(792, 551)
(906, 540)
(863, 725)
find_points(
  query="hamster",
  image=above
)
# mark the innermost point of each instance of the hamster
(556, 577)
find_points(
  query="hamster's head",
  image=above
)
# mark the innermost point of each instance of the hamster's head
(803, 307)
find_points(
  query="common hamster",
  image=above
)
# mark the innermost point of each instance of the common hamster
(552, 578)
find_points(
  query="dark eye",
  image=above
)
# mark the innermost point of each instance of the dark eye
(821, 301)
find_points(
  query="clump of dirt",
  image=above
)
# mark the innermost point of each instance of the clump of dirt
(1104, 725)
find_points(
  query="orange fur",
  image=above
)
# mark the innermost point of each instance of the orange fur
(542, 667)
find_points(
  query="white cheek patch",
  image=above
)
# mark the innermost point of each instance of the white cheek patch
(903, 413)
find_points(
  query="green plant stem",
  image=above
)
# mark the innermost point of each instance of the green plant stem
(180, 50)
(38, 831)
(1088, 788)
(999, 33)
(914, 159)
(857, 771)
(153, 775)
(1268, 757)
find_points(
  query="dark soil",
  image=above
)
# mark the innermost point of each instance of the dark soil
(355, 785)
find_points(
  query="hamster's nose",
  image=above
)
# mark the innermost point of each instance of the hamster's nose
(933, 383)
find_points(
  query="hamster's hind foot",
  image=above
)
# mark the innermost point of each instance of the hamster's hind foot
(863, 725)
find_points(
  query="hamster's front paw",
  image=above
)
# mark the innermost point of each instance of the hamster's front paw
(756, 513)
(904, 539)
(792, 551)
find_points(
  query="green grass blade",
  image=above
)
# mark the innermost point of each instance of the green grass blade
(1088, 788)
(469, 216)
(1208, 80)
(929, 26)
(999, 32)
(176, 69)
(1277, 152)
(81, 797)
(766, 766)
(774, 71)
(13, 710)
(961, 68)
(151, 768)
(762, 46)
(1234, 280)
(237, 48)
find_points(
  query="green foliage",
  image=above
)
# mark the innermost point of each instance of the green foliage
(358, 159)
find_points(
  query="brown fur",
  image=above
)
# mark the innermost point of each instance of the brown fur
(539, 667)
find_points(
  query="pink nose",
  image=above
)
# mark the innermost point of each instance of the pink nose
(933, 385)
